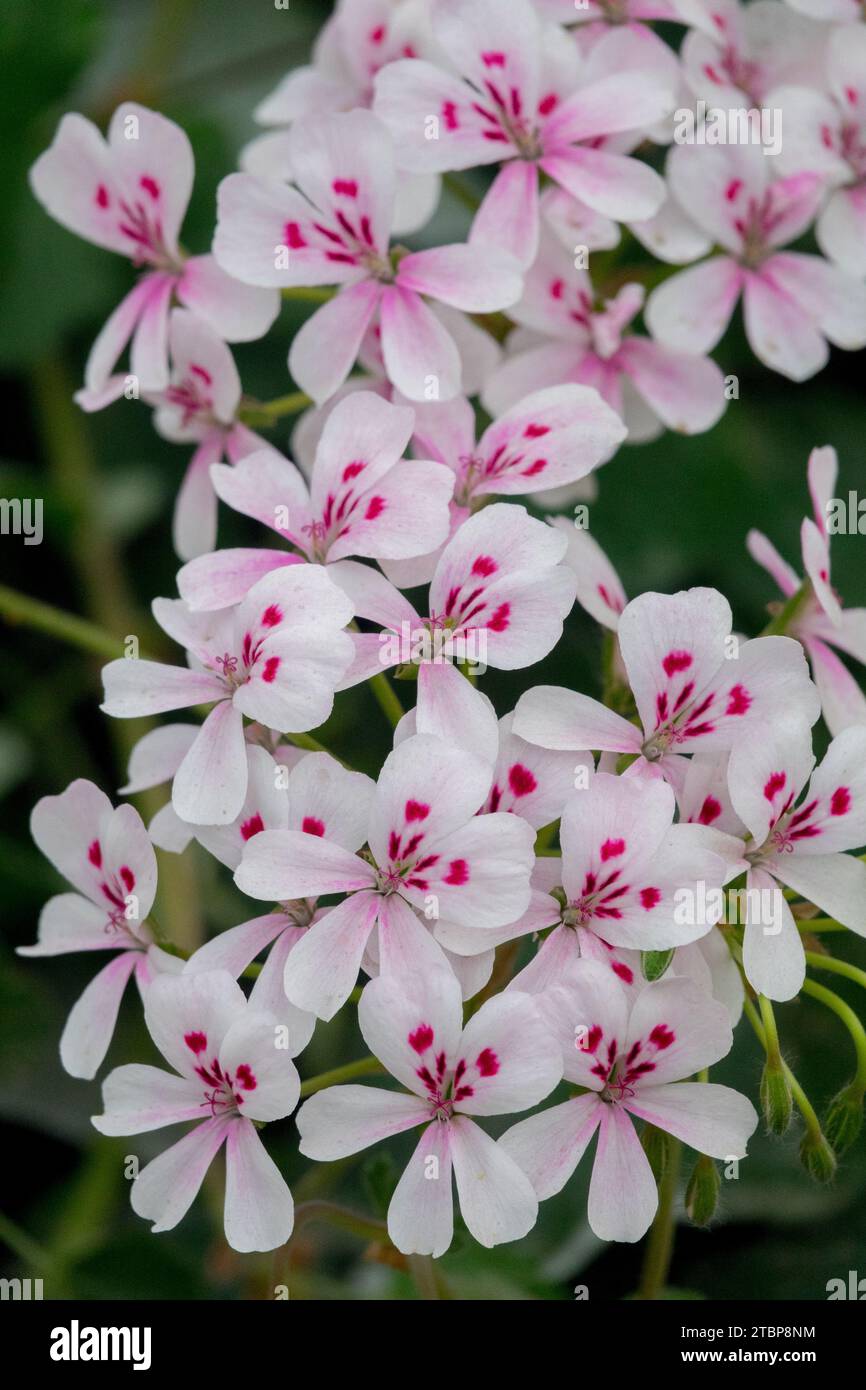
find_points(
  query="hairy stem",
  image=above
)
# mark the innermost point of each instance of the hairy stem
(660, 1241)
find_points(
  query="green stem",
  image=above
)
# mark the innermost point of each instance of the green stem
(310, 294)
(837, 967)
(424, 1275)
(311, 744)
(28, 1250)
(367, 1227)
(386, 698)
(818, 924)
(461, 191)
(771, 1032)
(365, 1066)
(660, 1242)
(67, 627)
(780, 624)
(847, 1015)
(262, 414)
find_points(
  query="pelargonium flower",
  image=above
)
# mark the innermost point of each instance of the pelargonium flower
(696, 687)
(571, 337)
(428, 850)
(600, 592)
(547, 440)
(129, 194)
(623, 865)
(105, 853)
(277, 657)
(825, 133)
(799, 845)
(518, 101)
(504, 1060)
(230, 1074)
(498, 597)
(631, 1054)
(363, 498)
(793, 304)
(200, 406)
(334, 228)
(323, 799)
(737, 53)
(821, 622)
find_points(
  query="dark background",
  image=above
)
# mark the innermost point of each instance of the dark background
(671, 514)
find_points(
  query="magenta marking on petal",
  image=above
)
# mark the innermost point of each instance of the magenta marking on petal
(94, 854)
(272, 665)
(311, 825)
(500, 619)
(612, 849)
(149, 185)
(293, 236)
(676, 661)
(422, 1038)
(347, 187)
(662, 1036)
(710, 811)
(650, 898)
(196, 1042)
(246, 1077)
(375, 508)
(487, 1062)
(739, 700)
(521, 780)
(416, 810)
(458, 873)
(493, 60)
(272, 616)
(484, 565)
(101, 199)
(774, 784)
(449, 115)
(254, 826)
(620, 968)
(128, 877)
(840, 802)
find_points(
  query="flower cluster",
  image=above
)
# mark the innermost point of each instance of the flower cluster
(573, 902)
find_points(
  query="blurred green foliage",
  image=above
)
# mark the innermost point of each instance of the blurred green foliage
(671, 514)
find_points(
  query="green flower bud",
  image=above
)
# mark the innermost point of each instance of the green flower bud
(817, 1157)
(702, 1192)
(844, 1118)
(776, 1099)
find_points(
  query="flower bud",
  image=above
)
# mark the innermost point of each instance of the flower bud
(844, 1118)
(702, 1192)
(775, 1098)
(817, 1157)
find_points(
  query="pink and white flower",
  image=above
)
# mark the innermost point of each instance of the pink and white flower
(799, 845)
(550, 439)
(631, 1054)
(565, 336)
(429, 851)
(696, 687)
(504, 1060)
(230, 1073)
(821, 622)
(129, 194)
(519, 101)
(624, 870)
(737, 53)
(200, 406)
(498, 597)
(321, 799)
(363, 499)
(277, 658)
(334, 228)
(825, 133)
(105, 853)
(793, 304)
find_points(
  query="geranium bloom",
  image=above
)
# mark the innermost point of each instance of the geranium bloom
(798, 845)
(793, 304)
(106, 855)
(200, 406)
(320, 798)
(696, 687)
(504, 1060)
(276, 657)
(363, 498)
(129, 195)
(334, 229)
(229, 1070)
(736, 53)
(549, 439)
(573, 338)
(428, 850)
(825, 133)
(631, 1053)
(498, 597)
(517, 102)
(624, 865)
(821, 622)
